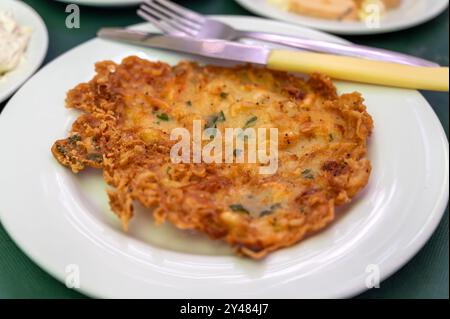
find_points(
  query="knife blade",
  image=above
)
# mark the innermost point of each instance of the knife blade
(212, 48)
(338, 67)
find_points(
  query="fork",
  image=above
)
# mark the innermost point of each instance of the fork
(174, 19)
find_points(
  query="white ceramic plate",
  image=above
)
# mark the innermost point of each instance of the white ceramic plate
(61, 220)
(104, 3)
(410, 13)
(37, 48)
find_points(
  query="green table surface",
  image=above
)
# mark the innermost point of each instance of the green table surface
(425, 276)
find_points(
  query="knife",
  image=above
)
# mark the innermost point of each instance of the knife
(338, 67)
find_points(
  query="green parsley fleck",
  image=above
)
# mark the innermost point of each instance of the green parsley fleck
(239, 208)
(163, 117)
(330, 137)
(308, 174)
(270, 210)
(251, 121)
(214, 119)
(221, 117)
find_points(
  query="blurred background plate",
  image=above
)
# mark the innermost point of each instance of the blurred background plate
(35, 53)
(410, 13)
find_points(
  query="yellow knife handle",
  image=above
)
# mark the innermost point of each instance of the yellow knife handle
(361, 70)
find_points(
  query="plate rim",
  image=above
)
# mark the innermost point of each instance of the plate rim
(349, 292)
(37, 63)
(429, 15)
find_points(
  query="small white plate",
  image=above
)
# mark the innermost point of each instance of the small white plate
(35, 53)
(410, 13)
(63, 221)
(104, 3)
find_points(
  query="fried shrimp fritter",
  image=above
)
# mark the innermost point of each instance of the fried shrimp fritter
(129, 110)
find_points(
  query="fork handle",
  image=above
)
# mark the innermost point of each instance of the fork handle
(351, 50)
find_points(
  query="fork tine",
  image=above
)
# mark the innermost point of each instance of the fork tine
(169, 14)
(189, 14)
(165, 21)
(157, 23)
